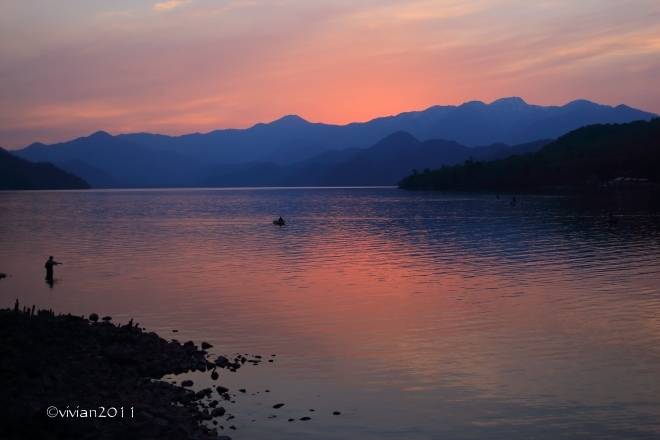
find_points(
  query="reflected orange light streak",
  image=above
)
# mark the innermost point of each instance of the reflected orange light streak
(364, 300)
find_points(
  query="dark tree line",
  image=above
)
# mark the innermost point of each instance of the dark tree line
(589, 155)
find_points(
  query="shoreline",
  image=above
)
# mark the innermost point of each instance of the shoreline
(577, 190)
(101, 379)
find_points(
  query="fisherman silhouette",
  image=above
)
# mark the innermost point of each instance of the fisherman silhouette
(49, 267)
(613, 221)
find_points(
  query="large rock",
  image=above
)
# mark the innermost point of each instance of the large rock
(218, 412)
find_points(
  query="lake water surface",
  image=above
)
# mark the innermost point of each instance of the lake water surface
(416, 315)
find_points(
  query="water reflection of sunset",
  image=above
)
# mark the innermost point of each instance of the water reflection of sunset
(406, 298)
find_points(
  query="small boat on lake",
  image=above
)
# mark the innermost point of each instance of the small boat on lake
(280, 222)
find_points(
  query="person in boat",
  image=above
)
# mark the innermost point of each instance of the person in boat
(280, 220)
(49, 267)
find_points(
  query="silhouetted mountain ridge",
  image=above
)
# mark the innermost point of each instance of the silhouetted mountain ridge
(19, 174)
(95, 176)
(291, 139)
(130, 164)
(385, 163)
(299, 151)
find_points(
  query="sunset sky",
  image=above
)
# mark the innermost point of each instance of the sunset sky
(69, 68)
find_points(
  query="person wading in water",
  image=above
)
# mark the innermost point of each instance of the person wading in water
(49, 267)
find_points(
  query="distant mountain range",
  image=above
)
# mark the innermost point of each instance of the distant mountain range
(294, 152)
(108, 161)
(20, 174)
(382, 164)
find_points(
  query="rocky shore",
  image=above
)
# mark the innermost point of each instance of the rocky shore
(66, 377)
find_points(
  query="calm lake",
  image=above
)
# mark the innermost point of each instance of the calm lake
(415, 315)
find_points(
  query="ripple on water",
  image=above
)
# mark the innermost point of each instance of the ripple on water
(416, 315)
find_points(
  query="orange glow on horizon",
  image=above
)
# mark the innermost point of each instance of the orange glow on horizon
(177, 67)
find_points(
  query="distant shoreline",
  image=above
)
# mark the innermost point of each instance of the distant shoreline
(201, 188)
(569, 190)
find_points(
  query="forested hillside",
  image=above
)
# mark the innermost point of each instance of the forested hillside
(586, 156)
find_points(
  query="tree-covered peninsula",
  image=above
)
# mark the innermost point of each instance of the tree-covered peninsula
(590, 155)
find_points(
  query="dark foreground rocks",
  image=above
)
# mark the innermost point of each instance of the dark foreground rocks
(65, 377)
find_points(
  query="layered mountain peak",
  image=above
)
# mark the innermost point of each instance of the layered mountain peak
(582, 104)
(158, 160)
(398, 137)
(513, 101)
(290, 120)
(100, 134)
